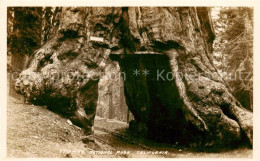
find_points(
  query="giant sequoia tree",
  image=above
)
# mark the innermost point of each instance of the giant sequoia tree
(201, 108)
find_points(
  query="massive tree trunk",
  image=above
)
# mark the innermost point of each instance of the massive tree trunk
(199, 105)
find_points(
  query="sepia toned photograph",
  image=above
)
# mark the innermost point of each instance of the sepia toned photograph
(129, 82)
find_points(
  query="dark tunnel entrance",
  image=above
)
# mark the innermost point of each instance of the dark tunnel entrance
(152, 96)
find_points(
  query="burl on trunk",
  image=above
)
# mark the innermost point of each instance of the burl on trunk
(195, 105)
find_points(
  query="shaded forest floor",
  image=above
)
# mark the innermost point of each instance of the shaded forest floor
(34, 131)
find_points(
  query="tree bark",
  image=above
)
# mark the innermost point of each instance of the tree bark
(183, 34)
(186, 35)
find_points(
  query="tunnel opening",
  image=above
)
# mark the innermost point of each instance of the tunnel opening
(152, 96)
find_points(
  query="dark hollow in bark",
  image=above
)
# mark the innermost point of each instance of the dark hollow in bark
(154, 102)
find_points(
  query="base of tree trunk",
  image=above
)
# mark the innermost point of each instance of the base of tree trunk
(159, 110)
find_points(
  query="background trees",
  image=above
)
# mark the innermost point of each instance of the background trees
(233, 50)
(28, 28)
(24, 33)
(24, 36)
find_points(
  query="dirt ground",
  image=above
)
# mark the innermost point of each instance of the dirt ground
(34, 131)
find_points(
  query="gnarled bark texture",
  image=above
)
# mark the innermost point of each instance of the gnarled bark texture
(197, 107)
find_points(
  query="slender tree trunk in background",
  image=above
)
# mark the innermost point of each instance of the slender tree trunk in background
(17, 67)
(110, 95)
(122, 100)
(47, 22)
(83, 39)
